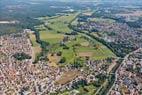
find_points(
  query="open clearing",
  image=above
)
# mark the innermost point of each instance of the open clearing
(85, 54)
(67, 77)
(36, 47)
(51, 37)
(53, 60)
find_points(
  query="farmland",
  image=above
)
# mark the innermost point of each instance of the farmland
(67, 47)
(35, 46)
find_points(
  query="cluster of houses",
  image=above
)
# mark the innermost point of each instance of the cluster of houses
(129, 76)
(122, 38)
(115, 32)
(130, 16)
(25, 78)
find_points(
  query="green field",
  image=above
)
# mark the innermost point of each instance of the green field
(77, 48)
(71, 53)
(58, 23)
(53, 31)
(36, 46)
(33, 39)
(51, 37)
(102, 52)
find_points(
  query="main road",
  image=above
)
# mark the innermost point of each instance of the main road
(123, 63)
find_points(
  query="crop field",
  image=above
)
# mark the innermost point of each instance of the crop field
(69, 54)
(73, 46)
(51, 37)
(53, 28)
(36, 47)
(33, 39)
(100, 52)
(59, 23)
(53, 31)
(80, 47)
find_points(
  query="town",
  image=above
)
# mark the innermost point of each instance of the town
(59, 47)
(21, 76)
(129, 75)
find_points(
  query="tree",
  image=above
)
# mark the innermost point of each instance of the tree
(59, 53)
(63, 60)
(65, 47)
(78, 63)
(97, 46)
(21, 56)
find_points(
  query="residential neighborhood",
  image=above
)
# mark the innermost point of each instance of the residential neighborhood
(70, 47)
(23, 77)
(129, 75)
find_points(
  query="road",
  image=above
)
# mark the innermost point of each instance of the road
(123, 62)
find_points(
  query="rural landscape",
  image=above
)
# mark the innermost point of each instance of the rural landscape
(68, 47)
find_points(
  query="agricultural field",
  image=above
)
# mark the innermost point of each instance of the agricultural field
(101, 51)
(71, 47)
(58, 23)
(53, 29)
(51, 37)
(67, 48)
(36, 47)
(79, 47)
